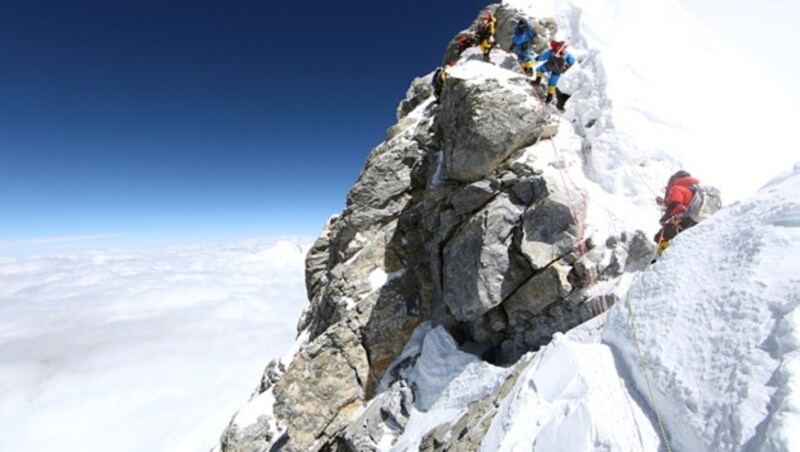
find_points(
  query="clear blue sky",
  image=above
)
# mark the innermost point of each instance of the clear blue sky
(197, 117)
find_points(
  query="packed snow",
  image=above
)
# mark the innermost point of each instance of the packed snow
(118, 350)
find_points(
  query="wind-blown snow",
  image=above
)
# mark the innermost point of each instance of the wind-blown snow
(674, 95)
(140, 351)
(570, 398)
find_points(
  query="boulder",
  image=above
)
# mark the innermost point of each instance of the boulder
(420, 90)
(640, 251)
(549, 227)
(483, 121)
(480, 266)
(382, 184)
(388, 410)
(395, 310)
(537, 293)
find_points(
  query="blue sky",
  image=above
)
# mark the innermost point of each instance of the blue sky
(200, 118)
(209, 119)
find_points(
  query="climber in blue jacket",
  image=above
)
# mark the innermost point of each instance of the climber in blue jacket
(557, 61)
(521, 44)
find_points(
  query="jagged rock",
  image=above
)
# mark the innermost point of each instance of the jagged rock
(549, 228)
(351, 290)
(255, 437)
(381, 189)
(253, 427)
(586, 269)
(394, 313)
(390, 409)
(418, 92)
(482, 122)
(442, 218)
(396, 409)
(337, 364)
(468, 199)
(402, 125)
(627, 252)
(490, 327)
(317, 259)
(537, 293)
(640, 251)
(272, 374)
(480, 265)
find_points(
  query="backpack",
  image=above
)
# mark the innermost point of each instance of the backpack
(706, 201)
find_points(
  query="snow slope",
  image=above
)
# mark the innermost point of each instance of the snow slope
(719, 326)
(719, 329)
(674, 95)
(119, 350)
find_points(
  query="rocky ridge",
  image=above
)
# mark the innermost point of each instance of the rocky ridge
(451, 224)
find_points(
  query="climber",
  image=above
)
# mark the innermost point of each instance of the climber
(677, 197)
(521, 44)
(485, 34)
(438, 80)
(557, 61)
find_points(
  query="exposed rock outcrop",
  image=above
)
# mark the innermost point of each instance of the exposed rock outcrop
(445, 224)
(483, 122)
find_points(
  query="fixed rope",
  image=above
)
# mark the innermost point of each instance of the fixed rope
(581, 249)
(644, 364)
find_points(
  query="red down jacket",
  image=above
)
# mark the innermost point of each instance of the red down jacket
(679, 195)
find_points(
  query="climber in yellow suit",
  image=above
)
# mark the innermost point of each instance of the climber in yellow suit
(485, 34)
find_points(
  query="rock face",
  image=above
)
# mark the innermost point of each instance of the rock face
(483, 123)
(445, 224)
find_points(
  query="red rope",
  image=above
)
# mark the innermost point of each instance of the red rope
(597, 306)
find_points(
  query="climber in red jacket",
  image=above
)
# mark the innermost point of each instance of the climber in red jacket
(678, 195)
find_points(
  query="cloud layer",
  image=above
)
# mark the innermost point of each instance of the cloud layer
(140, 351)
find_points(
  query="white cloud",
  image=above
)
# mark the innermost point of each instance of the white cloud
(141, 350)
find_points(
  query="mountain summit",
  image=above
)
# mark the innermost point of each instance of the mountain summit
(489, 283)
